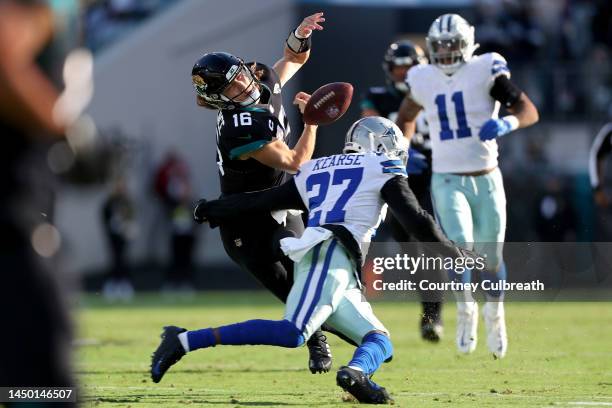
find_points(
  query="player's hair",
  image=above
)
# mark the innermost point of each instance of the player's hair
(202, 102)
(257, 72)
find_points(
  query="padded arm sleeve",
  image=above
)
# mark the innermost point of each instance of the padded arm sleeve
(504, 91)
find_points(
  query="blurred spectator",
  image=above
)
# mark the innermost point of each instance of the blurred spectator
(180, 273)
(173, 187)
(120, 228)
(555, 218)
(108, 20)
(172, 181)
(508, 27)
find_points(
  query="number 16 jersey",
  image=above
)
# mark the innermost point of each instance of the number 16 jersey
(456, 107)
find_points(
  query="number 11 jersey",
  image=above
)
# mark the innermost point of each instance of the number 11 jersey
(456, 107)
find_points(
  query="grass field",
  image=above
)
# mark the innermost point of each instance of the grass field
(560, 354)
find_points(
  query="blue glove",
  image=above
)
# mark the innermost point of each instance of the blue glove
(494, 128)
(417, 162)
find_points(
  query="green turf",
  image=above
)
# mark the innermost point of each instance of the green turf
(560, 354)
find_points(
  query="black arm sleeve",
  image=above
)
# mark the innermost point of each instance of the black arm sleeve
(504, 91)
(414, 219)
(283, 197)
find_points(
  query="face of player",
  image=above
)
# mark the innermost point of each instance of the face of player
(243, 88)
(447, 52)
(398, 72)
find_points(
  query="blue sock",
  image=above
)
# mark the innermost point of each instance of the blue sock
(495, 278)
(281, 333)
(198, 339)
(374, 350)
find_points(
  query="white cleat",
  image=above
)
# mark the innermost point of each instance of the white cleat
(495, 323)
(467, 326)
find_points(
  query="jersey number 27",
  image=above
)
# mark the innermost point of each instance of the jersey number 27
(337, 213)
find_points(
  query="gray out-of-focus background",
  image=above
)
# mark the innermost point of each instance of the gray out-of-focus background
(144, 107)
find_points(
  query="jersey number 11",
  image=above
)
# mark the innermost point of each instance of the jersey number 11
(446, 133)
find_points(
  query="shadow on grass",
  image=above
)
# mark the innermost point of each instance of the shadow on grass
(149, 398)
(196, 371)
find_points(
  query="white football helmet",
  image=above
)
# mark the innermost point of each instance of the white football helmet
(450, 42)
(376, 134)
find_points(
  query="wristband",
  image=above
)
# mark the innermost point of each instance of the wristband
(298, 45)
(512, 121)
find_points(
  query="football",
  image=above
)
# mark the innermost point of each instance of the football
(328, 103)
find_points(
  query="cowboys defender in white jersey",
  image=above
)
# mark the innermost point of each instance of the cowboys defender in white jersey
(345, 195)
(461, 95)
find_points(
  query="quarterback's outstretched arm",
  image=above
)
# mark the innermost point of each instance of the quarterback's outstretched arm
(297, 47)
(406, 116)
(283, 197)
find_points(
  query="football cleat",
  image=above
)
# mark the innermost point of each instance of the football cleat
(431, 330)
(361, 387)
(495, 323)
(320, 360)
(169, 351)
(467, 326)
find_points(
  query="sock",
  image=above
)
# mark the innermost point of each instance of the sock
(495, 278)
(375, 349)
(184, 341)
(431, 311)
(281, 333)
(197, 339)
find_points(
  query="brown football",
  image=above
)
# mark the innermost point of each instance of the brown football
(328, 103)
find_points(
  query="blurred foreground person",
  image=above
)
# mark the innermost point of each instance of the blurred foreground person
(34, 115)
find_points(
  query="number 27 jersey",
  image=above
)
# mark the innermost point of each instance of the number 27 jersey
(345, 189)
(456, 107)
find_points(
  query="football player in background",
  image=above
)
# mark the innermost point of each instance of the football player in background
(461, 95)
(252, 154)
(345, 195)
(601, 148)
(385, 101)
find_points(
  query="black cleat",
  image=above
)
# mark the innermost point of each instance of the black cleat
(431, 330)
(168, 352)
(361, 387)
(320, 360)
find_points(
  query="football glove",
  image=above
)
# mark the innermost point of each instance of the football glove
(200, 214)
(494, 128)
(417, 162)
